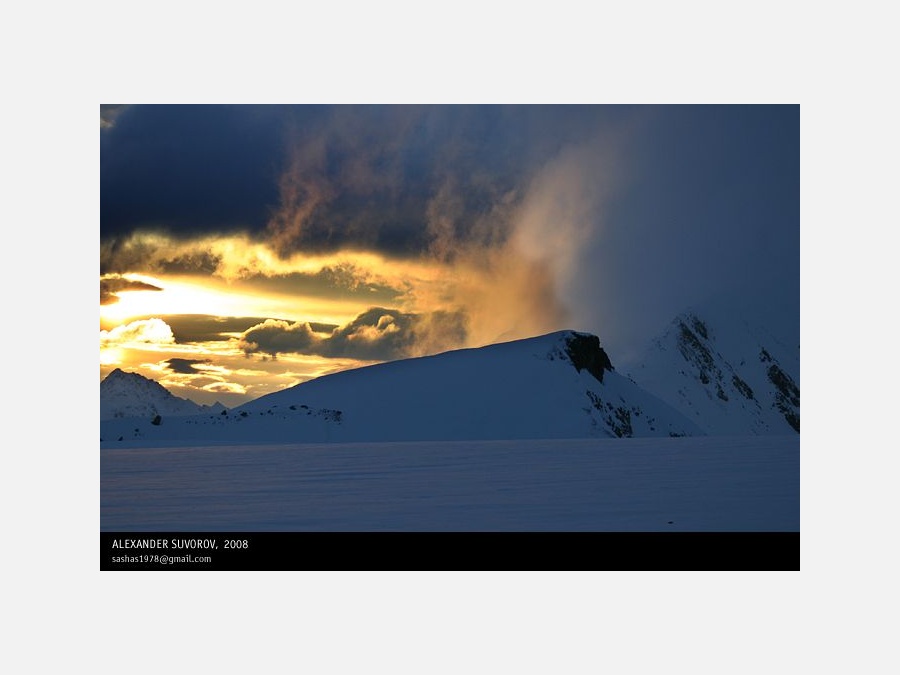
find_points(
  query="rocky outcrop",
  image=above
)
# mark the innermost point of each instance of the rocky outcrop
(585, 353)
(787, 397)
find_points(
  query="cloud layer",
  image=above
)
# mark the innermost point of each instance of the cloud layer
(112, 285)
(148, 331)
(379, 334)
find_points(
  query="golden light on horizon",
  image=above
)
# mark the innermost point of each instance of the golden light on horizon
(471, 298)
(111, 356)
(237, 257)
(220, 370)
(190, 295)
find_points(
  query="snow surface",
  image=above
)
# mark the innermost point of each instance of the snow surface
(523, 389)
(671, 484)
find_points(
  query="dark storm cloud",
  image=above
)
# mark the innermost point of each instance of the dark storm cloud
(109, 288)
(202, 262)
(377, 334)
(130, 254)
(401, 179)
(187, 328)
(340, 282)
(185, 366)
(322, 178)
(190, 169)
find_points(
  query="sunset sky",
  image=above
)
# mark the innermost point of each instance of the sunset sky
(244, 249)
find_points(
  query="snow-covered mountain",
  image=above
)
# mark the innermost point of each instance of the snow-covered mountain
(127, 395)
(726, 370)
(560, 385)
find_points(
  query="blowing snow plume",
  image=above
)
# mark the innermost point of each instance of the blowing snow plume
(497, 223)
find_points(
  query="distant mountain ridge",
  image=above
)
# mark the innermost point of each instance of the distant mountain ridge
(560, 385)
(126, 395)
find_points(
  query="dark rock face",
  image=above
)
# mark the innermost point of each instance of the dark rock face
(585, 353)
(742, 387)
(700, 327)
(785, 384)
(617, 418)
(787, 399)
(696, 353)
(694, 350)
(624, 426)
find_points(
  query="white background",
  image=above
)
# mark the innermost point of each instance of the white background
(61, 62)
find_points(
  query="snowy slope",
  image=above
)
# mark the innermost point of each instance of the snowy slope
(717, 484)
(726, 371)
(560, 385)
(126, 395)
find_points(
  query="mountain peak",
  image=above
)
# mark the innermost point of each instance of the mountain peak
(728, 372)
(125, 394)
(119, 375)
